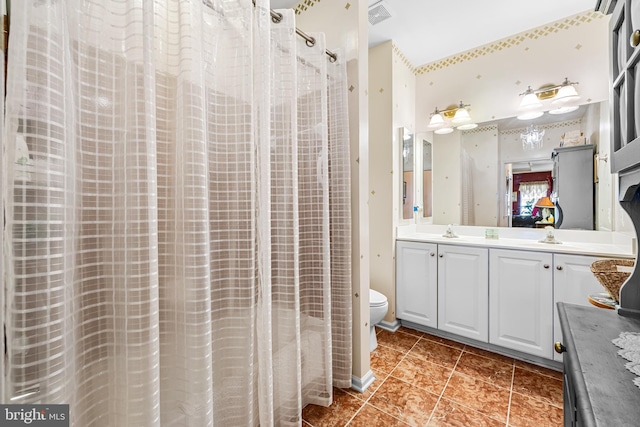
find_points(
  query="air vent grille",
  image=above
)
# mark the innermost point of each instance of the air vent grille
(378, 13)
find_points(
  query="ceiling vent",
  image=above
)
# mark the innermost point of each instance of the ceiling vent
(378, 12)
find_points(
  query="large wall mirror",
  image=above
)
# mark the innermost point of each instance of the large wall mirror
(408, 177)
(423, 180)
(427, 177)
(504, 184)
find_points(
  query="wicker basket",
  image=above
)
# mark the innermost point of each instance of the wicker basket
(606, 271)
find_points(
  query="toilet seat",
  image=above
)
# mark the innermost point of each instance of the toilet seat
(376, 299)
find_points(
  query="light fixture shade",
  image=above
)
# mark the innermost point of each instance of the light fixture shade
(443, 130)
(566, 94)
(544, 202)
(461, 116)
(529, 115)
(530, 100)
(564, 109)
(436, 120)
(467, 126)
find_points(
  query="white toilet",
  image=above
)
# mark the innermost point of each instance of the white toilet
(378, 306)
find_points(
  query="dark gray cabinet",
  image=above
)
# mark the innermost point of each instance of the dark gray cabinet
(625, 85)
(624, 65)
(573, 188)
(598, 390)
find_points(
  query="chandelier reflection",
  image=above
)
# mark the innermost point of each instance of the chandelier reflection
(532, 138)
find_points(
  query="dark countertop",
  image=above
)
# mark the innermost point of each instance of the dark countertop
(604, 389)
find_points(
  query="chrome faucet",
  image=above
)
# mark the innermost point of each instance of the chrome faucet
(550, 238)
(449, 233)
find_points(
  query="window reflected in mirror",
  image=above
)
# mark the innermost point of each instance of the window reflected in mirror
(528, 189)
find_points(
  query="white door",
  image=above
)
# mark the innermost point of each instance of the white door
(521, 300)
(463, 291)
(573, 281)
(417, 283)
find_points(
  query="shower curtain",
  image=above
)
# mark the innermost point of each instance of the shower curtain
(177, 243)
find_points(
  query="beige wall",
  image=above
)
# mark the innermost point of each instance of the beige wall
(346, 27)
(381, 163)
(492, 76)
(391, 108)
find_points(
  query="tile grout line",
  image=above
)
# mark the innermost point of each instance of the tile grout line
(484, 380)
(537, 397)
(513, 375)
(462, 351)
(388, 375)
(433, 411)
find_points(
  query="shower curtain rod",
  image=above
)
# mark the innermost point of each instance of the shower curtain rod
(277, 17)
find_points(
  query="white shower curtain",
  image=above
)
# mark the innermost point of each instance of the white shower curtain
(178, 252)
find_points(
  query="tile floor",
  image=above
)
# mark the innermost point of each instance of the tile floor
(424, 380)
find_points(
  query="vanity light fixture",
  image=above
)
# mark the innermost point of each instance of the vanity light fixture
(530, 106)
(563, 97)
(438, 123)
(443, 121)
(567, 93)
(530, 100)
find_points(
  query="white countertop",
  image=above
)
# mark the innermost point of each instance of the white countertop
(578, 242)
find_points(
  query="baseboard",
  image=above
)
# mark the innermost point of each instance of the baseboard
(389, 326)
(361, 384)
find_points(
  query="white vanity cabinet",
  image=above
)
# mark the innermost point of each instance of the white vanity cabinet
(521, 301)
(417, 283)
(505, 296)
(573, 281)
(463, 287)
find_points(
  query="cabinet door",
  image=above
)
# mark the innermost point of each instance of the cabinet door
(416, 283)
(625, 94)
(573, 281)
(521, 301)
(463, 291)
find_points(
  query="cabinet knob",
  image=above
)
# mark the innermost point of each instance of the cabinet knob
(432, 254)
(546, 266)
(635, 38)
(559, 348)
(441, 255)
(558, 267)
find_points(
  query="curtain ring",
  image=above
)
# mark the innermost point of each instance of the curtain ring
(276, 17)
(311, 42)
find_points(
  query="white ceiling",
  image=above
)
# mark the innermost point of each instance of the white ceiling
(429, 30)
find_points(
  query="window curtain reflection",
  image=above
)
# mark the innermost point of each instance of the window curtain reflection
(530, 193)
